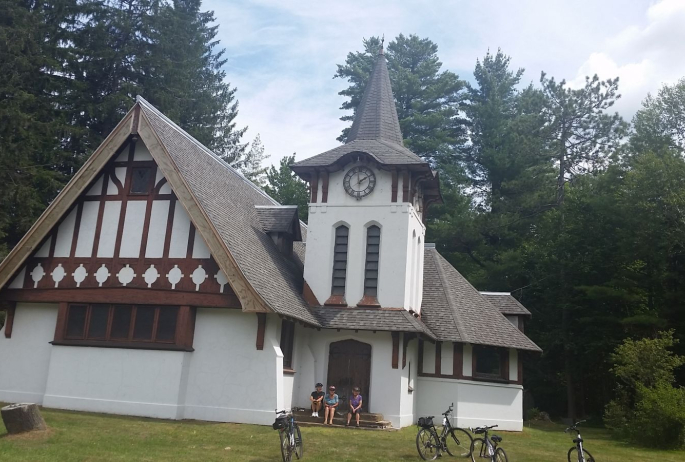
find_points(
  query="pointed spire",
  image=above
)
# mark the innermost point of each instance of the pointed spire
(376, 116)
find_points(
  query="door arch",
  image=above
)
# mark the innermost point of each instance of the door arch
(349, 365)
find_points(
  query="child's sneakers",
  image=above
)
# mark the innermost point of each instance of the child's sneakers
(317, 414)
(313, 414)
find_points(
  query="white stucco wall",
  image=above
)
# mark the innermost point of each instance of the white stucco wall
(475, 403)
(26, 356)
(229, 380)
(397, 283)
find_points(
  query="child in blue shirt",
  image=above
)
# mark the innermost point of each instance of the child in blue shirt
(330, 403)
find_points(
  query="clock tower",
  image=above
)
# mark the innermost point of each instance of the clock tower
(365, 235)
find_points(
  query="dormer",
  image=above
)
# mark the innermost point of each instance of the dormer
(282, 224)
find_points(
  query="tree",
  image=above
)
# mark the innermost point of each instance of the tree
(286, 188)
(251, 163)
(660, 123)
(427, 99)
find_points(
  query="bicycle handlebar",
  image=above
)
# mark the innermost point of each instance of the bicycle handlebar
(573, 427)
(449, 410)
(481, 429)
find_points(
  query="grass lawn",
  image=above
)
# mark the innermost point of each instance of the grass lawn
(77, 436)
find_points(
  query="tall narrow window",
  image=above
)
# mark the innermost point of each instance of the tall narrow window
(340, 261)
(287, 340)
(373, 245)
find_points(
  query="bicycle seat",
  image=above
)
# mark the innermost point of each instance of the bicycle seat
(496, 439)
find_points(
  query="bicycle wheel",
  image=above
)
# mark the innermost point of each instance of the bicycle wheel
(500, 455)
(427, 444)
(299, 448)
(479, 450)
(286, 452)
(573, 456)
(460, 440)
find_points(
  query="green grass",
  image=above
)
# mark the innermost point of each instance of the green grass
(77, 436)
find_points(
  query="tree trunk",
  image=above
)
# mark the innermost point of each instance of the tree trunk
(20, 418)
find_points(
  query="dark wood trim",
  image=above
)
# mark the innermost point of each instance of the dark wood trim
(115, 180)
(9, 319)
(519, 364)
(191, 241)
(185, 326)
(504, 366)
(505, 363)
(405, 185)
(77, 227)
(419, 371)
(101, 213)
(324, 187)
(146, 227)
(336, 300)
(124, 205)
(261, 330)
(169, 227)
(122, 295)
(123, 345)
(309, 296)
(406, 338)
(438, 358)
(314, 187)
(395, 349)
(458, 360)
(393, 197)
(61, 326)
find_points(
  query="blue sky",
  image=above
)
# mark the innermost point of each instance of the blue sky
(282, 54)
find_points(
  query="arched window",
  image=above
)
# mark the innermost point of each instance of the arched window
(373, 245)
(340, 260)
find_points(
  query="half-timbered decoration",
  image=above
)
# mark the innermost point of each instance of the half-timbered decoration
(162, 283)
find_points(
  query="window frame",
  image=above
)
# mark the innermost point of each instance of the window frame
(183, 330)
(337, 297)
(287, 344)
(150, 181)
(502, 354)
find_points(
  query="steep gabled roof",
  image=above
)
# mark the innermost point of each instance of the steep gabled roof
(455, 311)
(370, 319)
(506, 303)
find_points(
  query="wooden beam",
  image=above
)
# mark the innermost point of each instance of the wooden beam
(393, 197)
(458, 361)
(405, 186)
(61, 325)
(261, 330)
(9, 319)
(405, 343)
(420, 369)
(438, 358)
(395, 349)
(123, 295)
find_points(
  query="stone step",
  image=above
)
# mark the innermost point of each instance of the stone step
(361, 426)
(366, 416)
(343, 420)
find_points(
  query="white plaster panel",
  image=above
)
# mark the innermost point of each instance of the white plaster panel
(96, 189)
(447, 358)
(179, 232)
(428, 358)
(288, 386)
(113, 380)
(200, 249)
(467, 358)
(18, 281)
(166, 188)
(229, 380)
(108, 232)
(86, 233)
(132, 235)
(26, 356)
(157, 231)
(123, 155)
(65, 235)
(120, 173)
(513, 365)
(44, 251)
(141, 152)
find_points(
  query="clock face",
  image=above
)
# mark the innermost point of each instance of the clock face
(359, 182)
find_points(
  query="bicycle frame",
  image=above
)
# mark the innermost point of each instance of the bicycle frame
(490, 445)
(578, 440)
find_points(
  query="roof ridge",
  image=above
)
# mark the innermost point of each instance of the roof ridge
(448, 296)
(142, 101)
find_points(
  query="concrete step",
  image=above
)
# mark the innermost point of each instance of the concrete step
(366, 416)
(351, 427)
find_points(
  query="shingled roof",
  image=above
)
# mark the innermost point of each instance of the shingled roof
(375, 130)
(455, 311)
(370, 319)
(506, 303)
(279, 219)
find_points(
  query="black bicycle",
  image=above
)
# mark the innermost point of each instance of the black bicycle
(431, 445)
(289, 432)
(486, 447)
(577, 453)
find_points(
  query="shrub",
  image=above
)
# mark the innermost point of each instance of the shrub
(659, 417)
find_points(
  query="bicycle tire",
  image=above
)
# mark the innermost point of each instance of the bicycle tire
(299, 447)
(286, 451)
(461, 439)
(588, 456)
(479, 450)
(427, 444)
(500, 455)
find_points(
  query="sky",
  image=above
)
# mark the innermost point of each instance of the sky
(282, 54)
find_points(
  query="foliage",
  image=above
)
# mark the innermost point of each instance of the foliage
(251, 164)
(284, 186)
(659, 417)
(660, 123)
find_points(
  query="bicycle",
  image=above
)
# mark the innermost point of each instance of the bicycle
(582, 455)
(290, 436)
(430, 445)
(486, 447)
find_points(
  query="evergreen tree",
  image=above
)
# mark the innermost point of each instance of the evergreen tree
(285, 187)
(660, 123)
(251, 163)
(427, 99)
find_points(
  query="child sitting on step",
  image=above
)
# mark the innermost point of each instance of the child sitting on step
(317, 399)
(355, 406)
(330, 403)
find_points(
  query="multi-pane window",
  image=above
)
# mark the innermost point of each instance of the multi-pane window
(122, 323)
(340, 260)
(373, 244)
(489, 362)
(287, 341)
(141, 180)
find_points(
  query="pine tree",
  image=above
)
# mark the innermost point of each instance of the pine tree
(251, 165)
(284, 186)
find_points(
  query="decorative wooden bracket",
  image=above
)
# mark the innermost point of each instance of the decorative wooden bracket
(261, 329)
(405, 343)
(9, 319)
(395, 349)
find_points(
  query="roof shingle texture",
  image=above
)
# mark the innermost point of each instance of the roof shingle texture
(277, 219)
(370, 319)
(455, 311)
(506, 303)
(229, 201)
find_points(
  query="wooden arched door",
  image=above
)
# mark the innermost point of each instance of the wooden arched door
(349, 365)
